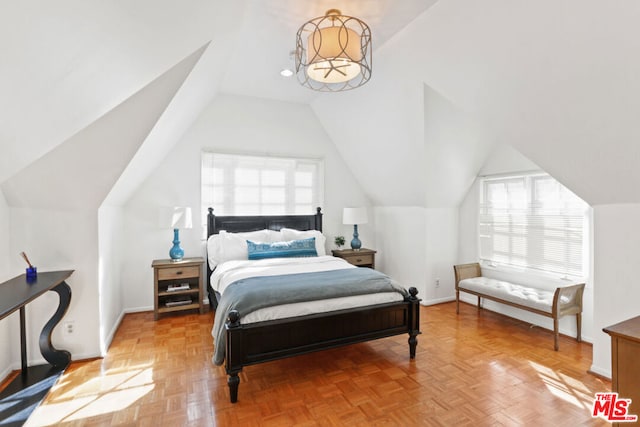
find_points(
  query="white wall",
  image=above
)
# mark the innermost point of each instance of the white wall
(6, 345)
(401, 245)
(237, 125)
(505, 159)
(63, 77)
(416, 246)
(60, 240)
(442, 248)
(454, 150)
(617, 256)
(110, 244)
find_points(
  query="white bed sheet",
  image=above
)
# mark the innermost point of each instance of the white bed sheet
(230, 271)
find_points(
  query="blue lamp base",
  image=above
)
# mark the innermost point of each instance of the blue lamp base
(176, 253)
(356, 244)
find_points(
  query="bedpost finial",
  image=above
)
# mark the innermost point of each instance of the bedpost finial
(318, 209)
(210, 211)
(413, 291)
(234, 318)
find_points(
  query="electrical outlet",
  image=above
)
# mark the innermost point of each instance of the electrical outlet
(69, 327)
(437, 283)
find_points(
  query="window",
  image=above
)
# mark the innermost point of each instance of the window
(532, 221)
(252, 185)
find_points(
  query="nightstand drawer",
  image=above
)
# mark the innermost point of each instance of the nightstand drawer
(361, 259)
(178, 272)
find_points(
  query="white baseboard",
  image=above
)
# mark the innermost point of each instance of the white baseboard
(4, 374)
(85, 356)
(437, 301)
(137, 309)
(601, 371)
(42, 361)
(117, 323)
(112, 333)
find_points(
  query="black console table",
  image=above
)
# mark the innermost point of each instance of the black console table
(21, 396)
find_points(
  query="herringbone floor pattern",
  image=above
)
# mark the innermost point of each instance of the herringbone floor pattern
(475, 369)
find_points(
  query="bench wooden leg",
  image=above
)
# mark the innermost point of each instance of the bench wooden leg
(579, 327)
(479, 300)
(555, 333)
(457, 301)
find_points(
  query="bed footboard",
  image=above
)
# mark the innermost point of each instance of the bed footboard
(265, 341)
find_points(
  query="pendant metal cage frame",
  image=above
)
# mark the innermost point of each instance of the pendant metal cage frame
(345, 25)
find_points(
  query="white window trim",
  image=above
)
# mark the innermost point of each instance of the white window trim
(290, 208)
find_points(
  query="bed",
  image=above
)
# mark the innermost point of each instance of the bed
(243, 338)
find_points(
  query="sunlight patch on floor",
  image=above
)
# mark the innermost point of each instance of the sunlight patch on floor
(110, 402)
(565, 387)
(112, 391)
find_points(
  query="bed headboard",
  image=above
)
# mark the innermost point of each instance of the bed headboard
(236, 224)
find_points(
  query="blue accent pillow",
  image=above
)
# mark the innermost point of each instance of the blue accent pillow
(293, 248)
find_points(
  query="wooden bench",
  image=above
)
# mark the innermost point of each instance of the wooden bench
(563, 301)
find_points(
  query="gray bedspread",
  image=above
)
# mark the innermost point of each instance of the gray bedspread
(251, 294)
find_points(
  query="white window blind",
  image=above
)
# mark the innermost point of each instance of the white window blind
(254, 185)
(532, 221)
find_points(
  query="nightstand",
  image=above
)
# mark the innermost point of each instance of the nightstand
(177, 285)
(625, 367)
(361, 258)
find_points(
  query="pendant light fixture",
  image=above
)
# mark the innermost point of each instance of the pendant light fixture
(333, 53)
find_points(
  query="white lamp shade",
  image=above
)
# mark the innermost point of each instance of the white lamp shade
(333, 54)
(175, 217)
(354, 216)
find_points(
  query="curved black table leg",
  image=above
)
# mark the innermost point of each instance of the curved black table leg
(58, 358)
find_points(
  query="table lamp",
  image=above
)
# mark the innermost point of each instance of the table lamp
(176, 218)
(355, 216)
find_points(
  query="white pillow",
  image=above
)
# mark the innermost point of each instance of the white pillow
(214, 250)
(291, 234)
(233, 246)
(274, 236)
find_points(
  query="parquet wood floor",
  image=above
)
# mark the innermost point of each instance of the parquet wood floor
(475, 369)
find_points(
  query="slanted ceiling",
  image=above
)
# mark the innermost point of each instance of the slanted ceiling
(69, 68)
(80, 172)
(557, 80)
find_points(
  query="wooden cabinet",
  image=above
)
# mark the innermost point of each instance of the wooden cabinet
(177, 285)
(361, 258)
(625, 361)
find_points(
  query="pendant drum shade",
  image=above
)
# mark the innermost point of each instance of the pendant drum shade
(339, 44)
(335, 55)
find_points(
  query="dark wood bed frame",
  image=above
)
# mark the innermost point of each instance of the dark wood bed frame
(249, 344)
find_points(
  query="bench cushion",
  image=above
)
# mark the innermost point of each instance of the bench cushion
(518, 294)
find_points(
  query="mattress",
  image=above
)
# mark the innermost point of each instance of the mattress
(231, 271)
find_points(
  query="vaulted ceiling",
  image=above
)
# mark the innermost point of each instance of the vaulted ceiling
(557, 80)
